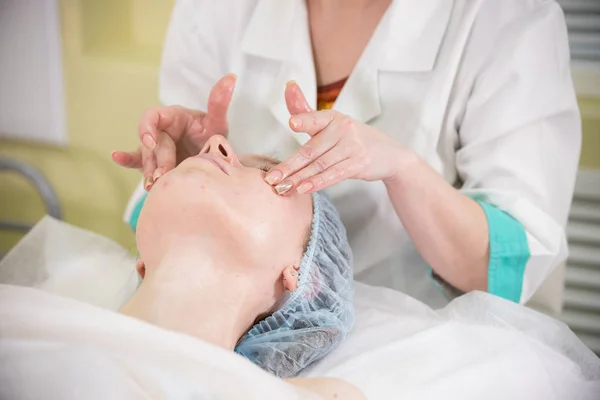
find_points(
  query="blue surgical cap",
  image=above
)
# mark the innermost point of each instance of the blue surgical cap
(315, 318)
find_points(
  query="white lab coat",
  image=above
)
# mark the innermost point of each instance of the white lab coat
(481, 89)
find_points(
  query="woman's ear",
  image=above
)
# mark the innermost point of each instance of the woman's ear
(140, 267)
(290, 277)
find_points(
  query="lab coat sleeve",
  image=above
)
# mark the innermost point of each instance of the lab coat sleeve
(519, 143)
(134, 206)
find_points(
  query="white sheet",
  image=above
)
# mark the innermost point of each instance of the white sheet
(63, 259)
(53, 347)
(479, 346)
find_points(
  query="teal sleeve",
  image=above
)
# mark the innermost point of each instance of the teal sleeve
(135, 214)
(509, 253)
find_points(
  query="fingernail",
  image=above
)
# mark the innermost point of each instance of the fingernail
(157, 173)
(296, 123)
(148, 182)
(148, 141)
(230, 83)
(283, 187)
(288, 83)
(305, 187)
(273, 177)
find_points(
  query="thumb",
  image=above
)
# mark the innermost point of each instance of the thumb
(295, 100)
(218, 104)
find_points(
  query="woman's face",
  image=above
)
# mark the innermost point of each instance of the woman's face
(219, 205)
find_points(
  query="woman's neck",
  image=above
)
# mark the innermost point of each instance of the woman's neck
(197, 297)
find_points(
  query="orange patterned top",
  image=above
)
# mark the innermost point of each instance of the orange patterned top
(328, 94)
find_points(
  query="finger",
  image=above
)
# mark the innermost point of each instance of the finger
(314, 122)
(310, 151)
(218, 104)
(294, 99)
(346, 169)
(149, 166)
(166, 154)
(173, 119)
(127, 159)
(316, 168)
(195, 133)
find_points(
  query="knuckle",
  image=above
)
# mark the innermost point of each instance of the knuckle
(332, 115)
(306, 152)
(313, 120)
(321, 165)
(149, 121)
(316, 186)
(349, 122)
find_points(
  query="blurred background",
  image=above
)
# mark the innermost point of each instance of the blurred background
(75, 76)
(82, 72)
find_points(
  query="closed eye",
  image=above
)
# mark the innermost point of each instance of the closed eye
(265, 167)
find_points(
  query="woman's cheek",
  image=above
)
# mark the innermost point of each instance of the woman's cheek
(149, 236)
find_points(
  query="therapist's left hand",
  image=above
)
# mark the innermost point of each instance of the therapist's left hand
(339, 148)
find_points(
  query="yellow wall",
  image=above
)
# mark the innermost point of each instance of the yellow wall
(111, 50)
(590, 149)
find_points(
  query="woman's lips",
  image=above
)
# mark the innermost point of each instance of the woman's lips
(214, 160)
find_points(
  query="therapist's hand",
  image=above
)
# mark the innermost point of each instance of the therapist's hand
(169, 135)
(340, 148)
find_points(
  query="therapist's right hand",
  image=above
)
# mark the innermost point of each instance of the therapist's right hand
(169, 135)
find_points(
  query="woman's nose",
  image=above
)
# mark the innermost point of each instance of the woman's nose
(218, 145)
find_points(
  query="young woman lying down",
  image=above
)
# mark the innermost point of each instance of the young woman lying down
(225, 259)
(73, 345)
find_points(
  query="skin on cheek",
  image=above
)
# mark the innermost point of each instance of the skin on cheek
(163, 182)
